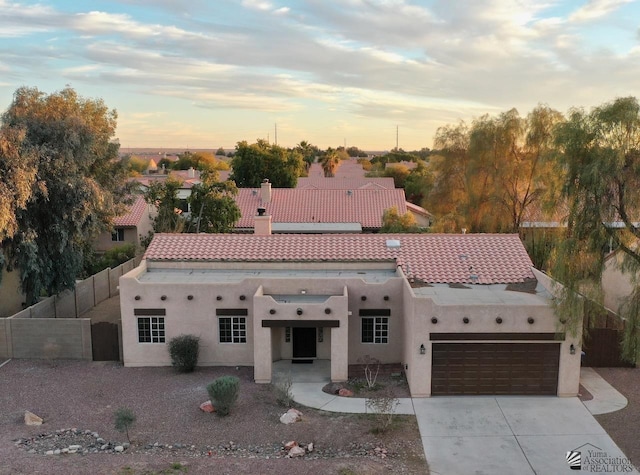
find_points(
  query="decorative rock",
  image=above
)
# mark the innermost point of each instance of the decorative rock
(31, 419)
(104, 447)
(49, 452)
(56, 452)
(291, 416)
(207, 407)
(65, 450)
(296, 452)
(310, 447)
(126, 445)
(119, 448)
(344, 392)
(291, 444)
(75, 447)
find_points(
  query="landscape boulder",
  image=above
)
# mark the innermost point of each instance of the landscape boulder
(291, 444)
(296, 452)
(344, 392)
(31, 419)
(207, 407)
(291, 416)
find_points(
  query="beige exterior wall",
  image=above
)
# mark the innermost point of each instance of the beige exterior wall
(11, 297)
(410, 322)
(616, 285)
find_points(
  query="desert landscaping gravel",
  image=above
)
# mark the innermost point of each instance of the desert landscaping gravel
(171, 434)
(624, 426)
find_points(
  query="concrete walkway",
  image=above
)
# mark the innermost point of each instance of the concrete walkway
(491, 435)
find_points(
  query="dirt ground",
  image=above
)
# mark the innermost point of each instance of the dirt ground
(623, 426)
(171, 434)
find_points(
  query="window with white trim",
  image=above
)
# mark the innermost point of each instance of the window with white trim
(151, 330)
(375, 329)
(232, 329)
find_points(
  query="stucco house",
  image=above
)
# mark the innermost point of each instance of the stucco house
(462, 314)
(137, 222)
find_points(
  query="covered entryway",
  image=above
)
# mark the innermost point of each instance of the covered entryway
(495, 368)
(304, 342)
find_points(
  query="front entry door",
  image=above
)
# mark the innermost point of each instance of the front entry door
(304, 342)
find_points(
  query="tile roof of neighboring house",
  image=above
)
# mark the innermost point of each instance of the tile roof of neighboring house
(433, 258)
(183, 175)
(133, 215)
(347, 169)
(417, 209)
(335, 183)
(293, 205)
(535, 216)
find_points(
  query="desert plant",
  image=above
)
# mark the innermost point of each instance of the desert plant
(383, 406)
(184, 352)
(371, 369)
(124, 419)
(223, 392)
(282, 387)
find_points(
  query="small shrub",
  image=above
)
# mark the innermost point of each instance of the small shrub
(124, 419)
(184, 352)
(383, 407)
(371, 369)
(282, 387)
(223, 392)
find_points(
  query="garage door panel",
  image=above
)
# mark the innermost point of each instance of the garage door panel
(495, 368)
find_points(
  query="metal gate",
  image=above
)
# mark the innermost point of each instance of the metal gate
(105, 343)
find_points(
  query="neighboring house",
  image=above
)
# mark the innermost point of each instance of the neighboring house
(318, 210)
(188, 177)
(128, 228)
(463, 314)
(347, 169)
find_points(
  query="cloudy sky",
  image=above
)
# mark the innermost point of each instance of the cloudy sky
(205, 74)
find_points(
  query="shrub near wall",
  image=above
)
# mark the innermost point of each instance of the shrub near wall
(183, 350)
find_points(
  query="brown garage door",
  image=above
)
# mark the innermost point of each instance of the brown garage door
(495, 368)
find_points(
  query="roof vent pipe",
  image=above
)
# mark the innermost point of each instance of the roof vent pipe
(262, 211)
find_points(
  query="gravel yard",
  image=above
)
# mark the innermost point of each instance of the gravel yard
(171, 434)
(623, 425)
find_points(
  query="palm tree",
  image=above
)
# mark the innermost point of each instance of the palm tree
(330, 162)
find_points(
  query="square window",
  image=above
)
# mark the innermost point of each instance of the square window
(151, 330)
(375, 330)
(232, 329)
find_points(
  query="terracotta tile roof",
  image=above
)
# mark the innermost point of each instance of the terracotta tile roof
(433, 258)
(347, 169)
(323, 183)
(134, 215)
(293, 205)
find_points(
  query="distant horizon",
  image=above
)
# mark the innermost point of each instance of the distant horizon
(371, 74)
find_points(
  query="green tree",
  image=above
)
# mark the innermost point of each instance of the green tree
(394, 222)
(213, 207)
(198, 161)
(600, 155)
(308, 152)
(61, 185)
(253, 163)
(398, 172)
(330, 162)
(418, 183)
(221, 152)
(135, 165)
(163, 194)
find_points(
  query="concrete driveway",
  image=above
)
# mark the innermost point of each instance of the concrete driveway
(514, 435)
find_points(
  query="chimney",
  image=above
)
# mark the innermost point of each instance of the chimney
(191, 172)
(265, 191)
(262, 223)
